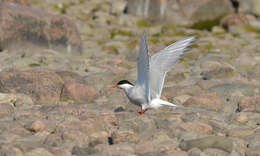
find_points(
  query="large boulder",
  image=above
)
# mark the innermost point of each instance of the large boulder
(249, 6)
(181, 12)
(22, 26)
(47, 86)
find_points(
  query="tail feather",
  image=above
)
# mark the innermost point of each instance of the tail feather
(160, 102)
(166, 103)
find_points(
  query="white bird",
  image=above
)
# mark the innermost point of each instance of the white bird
(151, 74)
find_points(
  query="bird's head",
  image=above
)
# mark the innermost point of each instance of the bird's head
(123, 84)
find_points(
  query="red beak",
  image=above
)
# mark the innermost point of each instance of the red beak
(114, 86)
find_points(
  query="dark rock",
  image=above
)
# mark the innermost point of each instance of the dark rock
(119, 109)
(222, 143)
(22, 27)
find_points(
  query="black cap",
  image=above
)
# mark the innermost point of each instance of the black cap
(124, 82)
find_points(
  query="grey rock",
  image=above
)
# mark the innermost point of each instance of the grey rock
(38, 151)
(253, 151)
(174, 10)
(78, 151)
(222, 143)
(225, 90)
(36, 28)
(216, 152)
(249, 6)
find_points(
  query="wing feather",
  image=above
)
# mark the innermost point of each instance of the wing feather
(163, 61)
(143, 79)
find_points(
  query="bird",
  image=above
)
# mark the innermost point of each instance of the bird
(151, 72)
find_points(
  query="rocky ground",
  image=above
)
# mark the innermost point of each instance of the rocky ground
(58, 102)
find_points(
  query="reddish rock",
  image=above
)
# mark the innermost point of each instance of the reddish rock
(234, 19)
(47, 86)
(35, 126)
(44, 86)
(250, 104)
(78, 92)
(210, 101)
(198, 127)
(25, 27)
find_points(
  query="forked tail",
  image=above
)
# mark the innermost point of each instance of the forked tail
(166, 103)
(160, 102)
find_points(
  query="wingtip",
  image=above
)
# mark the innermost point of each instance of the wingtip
(143, 34)
(195, 37)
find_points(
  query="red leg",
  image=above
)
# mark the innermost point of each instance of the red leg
(142, 112)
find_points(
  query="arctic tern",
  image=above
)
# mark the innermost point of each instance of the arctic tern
(151, 74)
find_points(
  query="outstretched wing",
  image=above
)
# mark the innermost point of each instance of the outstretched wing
(143, 79)
(163, 61)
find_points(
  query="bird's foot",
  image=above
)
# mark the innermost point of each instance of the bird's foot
(142, 112)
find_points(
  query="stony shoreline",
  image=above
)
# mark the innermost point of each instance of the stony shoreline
(55, 102)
